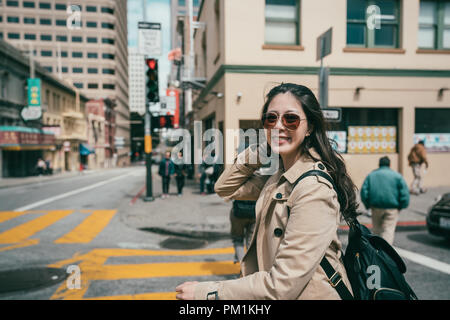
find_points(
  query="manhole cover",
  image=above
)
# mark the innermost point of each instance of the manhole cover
(30, 279)
(182, 243)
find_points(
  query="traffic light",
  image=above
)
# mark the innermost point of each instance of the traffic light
(152, 80)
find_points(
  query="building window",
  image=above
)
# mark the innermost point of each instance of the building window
(77, 39)
(91, 24)
(181, 3)
(78, 85)
(107, 10)
(77, 70)
(108, 56)
(92, 70)
(77, 54)
(106, 25)
(92, 55)
(434, 25)
(28, 20)
(109, 86)
(60, 6)
(46, 53)
(1, 35)
(64, 69)
(30, 36)
(46, 21)
(64, 54)
(48, 68)
(60, 22)
(12, 35)
(384, 35)
(92, 85)
(45, 5)
(107, 40)
(432, 126)
(28, 4)
(91, 9)
(108, 71)
(46, 37)
(61, 38)
(12, 3)
(13, 19)
(282, 22)
(91, 40)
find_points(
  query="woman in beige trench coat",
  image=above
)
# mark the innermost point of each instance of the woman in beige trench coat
(283, 259)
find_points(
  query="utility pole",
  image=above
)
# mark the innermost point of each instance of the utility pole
(148, 136)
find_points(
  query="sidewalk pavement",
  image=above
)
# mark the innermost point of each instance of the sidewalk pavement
(207, 216)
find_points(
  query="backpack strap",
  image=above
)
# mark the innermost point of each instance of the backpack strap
(334, 278)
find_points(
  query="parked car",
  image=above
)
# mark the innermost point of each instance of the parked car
(438, 217)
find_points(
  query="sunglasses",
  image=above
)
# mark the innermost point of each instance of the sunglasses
(290, 120)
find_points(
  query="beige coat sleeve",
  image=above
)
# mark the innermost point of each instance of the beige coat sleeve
(240, 181)
(309, 232)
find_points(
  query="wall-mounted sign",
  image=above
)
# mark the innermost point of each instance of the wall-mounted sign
(372, 139)
(434, 142)
(33, 111)
(340, 137)
(149, 38)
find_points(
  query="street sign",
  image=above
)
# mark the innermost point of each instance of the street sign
(332, 114)
(149, 38)
(324, 44)
(33, 111)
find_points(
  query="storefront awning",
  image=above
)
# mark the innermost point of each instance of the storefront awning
(86, 150)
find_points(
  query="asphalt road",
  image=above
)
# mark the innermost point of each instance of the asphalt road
(78, 222)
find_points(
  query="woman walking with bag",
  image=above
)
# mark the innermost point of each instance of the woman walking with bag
(295, 227)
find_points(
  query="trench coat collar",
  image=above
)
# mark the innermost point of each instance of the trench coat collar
(303, 164)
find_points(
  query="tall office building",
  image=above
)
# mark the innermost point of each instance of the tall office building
(85, 44)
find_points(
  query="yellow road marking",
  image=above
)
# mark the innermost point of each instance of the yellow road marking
(89, 228)
(25, 243)
(140, 296)
(26, 230)
(8, 215)
(92, 267)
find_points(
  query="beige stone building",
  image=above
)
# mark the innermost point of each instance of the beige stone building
(390, 76)
(84, 42)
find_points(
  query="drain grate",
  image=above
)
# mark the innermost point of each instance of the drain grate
(30, 279)
(182, 243)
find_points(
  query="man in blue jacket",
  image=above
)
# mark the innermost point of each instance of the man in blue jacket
(385, 192)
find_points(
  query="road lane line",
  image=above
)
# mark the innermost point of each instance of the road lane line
(24, 231)
(70, 193)
(89, 228)
(8, 215)
(424, 260)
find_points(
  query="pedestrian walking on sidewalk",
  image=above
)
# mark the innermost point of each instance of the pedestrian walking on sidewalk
(385, 192)
(166, 170)
(40, 166)
(296, 224)
(180, 173)
(418, 156)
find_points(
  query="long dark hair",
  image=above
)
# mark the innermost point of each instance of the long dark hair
(318, 139)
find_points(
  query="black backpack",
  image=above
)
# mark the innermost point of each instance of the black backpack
(374, 268)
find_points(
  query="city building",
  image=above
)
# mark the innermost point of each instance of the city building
(56, 137)
(389, 73)
(85, 44)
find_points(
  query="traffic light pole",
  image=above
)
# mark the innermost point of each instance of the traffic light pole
(148, 155)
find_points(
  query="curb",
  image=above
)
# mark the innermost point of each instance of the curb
(217, 235)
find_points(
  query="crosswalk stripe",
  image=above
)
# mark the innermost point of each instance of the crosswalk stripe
(8, 215)
(26, 230)
(424, 260)
(157, 270)
(89, 228)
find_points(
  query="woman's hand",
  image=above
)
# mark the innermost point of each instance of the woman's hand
(185, 291)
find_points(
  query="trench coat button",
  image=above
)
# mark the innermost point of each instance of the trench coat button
(278, 232)
(279, 195)
(321, 166)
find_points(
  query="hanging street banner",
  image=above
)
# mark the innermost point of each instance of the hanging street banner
(149, 39)
(33, 111)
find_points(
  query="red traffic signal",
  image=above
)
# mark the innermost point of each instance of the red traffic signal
(151, 63)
